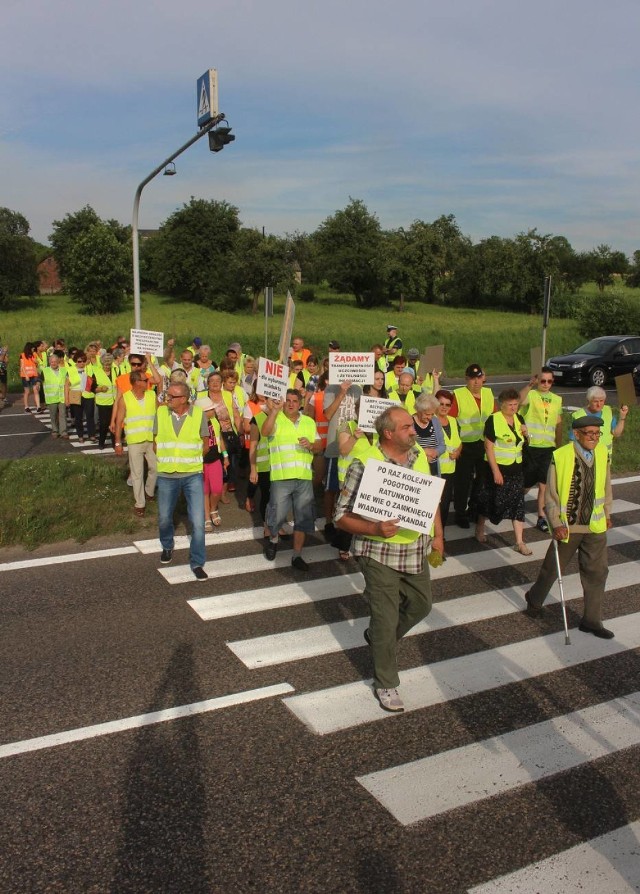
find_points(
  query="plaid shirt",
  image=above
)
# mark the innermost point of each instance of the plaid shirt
(407, 558)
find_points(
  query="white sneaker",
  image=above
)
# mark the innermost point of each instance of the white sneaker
(390, 700)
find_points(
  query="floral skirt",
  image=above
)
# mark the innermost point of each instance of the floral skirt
(500, 501)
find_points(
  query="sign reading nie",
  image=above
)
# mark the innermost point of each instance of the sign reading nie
(357, 367)
(389, 491)
(273, 379)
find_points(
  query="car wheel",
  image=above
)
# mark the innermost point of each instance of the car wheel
(597, 376)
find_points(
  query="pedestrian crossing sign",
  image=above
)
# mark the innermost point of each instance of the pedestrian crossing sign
(207, 96)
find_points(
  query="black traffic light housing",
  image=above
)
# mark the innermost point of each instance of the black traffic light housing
(219, 138)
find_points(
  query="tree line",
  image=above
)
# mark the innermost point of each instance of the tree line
(202, 253)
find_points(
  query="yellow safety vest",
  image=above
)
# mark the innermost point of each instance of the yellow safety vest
(361, 446)
(54, 384)
(606, 438)
(541, 415)
(392, 343)
(104, 398)
(564, 459)
(288, 458)
(182, 453)
(471, 420)
(420, 465)
(138, 420)
(452, 442)
(507, 451)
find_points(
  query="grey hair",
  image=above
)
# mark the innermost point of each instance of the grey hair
(106, 358)
(427, 403)
(596, 391)
(186, 391)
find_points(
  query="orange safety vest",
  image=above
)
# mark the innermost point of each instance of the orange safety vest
(322, 423)
(28, 367)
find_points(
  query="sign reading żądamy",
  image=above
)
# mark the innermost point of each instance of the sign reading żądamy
(357, 367)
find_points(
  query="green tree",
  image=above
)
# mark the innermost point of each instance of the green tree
(99, 270)
(616, 315)
(18, 261)
(633, 276)
(195, 258)
(351, 254)
(303, 249)
(13, 223)
(262, 261)
(605, 264)
(67, 231)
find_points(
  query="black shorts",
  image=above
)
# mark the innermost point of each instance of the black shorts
(536, 465)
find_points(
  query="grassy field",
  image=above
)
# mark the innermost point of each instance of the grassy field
(499, 341)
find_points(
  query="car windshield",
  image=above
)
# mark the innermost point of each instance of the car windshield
(596, 346)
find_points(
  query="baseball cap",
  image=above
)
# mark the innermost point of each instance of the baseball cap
(473, 371)
(334, 345)
(197, 342)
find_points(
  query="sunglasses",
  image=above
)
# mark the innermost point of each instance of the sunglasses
(546, 381)
(136, 364)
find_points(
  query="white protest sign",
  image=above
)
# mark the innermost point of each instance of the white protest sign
(389, 491)
(144, 341)
(370, 409)
(273, 379)
(357, 367)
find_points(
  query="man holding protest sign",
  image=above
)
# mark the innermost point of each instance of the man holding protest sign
(392, 558)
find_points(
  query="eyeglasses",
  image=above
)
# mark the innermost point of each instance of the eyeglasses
(174, 396)
(588, 434)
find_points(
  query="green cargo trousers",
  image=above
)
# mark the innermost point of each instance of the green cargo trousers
(397, 601)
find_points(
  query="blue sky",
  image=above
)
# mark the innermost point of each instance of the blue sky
(509, 115)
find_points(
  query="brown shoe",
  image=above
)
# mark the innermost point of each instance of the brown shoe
(139, 511)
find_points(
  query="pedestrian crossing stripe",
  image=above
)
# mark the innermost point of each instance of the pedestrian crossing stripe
(342, 707)
(608, 863)
(433, 785)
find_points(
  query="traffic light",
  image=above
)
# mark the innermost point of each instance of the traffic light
(219, 138)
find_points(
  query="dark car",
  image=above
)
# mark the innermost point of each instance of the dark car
(598, 361)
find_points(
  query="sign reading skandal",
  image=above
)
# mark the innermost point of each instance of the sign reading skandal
(145, 341)
(273, 379)
(370, 409)
(389, 491)
(357, 367)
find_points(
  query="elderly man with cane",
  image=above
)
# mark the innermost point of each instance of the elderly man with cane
(578, 509)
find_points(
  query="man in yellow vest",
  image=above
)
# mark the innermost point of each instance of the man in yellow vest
(472, 405)
(181, 438)
(392, 345)
(392, 559)
(54, 377)
(542, 411)
(578, 507)
(137, 412)
(293, 440)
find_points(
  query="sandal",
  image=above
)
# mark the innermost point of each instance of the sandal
(523, 549)
(249, 505)
(344, 555)
(208, 527)
(215, 518)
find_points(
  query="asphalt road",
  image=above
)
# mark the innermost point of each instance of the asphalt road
(515, 748)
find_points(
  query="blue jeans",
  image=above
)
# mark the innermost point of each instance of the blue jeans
(168, 493)
(295, 495)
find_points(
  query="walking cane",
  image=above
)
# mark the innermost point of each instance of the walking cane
(567, 641)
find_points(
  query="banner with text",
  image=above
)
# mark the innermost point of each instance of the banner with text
(355, 367)
(273, 379)
(144, 341)
(389, 491)
(370, 409)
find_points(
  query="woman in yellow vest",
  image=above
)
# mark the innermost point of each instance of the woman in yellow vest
(76, 382)
(105, 394)
(453, 448)
(501, 494)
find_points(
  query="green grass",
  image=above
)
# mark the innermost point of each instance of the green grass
(500, 341)
(55, 498)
